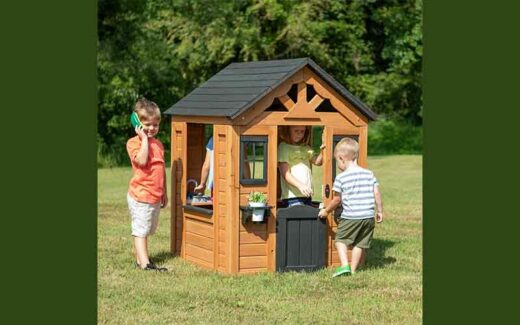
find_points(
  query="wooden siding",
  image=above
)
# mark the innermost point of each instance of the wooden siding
(225, 199)
(256, 252)
(199, 241)
(178, 154)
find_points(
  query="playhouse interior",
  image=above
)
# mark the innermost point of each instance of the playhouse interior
(252, 164)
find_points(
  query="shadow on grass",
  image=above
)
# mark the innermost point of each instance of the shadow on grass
(161, 256)
(375, 256)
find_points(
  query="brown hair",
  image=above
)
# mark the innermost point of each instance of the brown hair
(347, 146)
(147, 109)
(285, 135)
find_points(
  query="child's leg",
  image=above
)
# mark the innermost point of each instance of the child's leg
(362, 260)
(141, 251)
(342, 253)
(357, 255)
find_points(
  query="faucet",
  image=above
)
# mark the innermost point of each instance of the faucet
(190, 195)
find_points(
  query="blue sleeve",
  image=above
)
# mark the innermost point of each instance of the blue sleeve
(209, 146)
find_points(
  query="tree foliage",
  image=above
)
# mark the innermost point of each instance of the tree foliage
(162, 49)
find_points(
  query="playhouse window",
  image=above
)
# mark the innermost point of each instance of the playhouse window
(335, 140)
(253, 160)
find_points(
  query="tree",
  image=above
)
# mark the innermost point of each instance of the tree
(163, 49)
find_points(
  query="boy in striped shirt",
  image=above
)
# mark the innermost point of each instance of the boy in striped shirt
(357, 190)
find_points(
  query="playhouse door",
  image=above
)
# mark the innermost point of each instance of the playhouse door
(330, 170)
(300, 240)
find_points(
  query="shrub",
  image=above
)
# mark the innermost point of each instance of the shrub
(395, 136)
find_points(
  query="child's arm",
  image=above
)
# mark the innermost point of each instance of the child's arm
(204, 172)
(334, 203)
(141, 158)
(318, 160)
(379, 204)
(289, 178)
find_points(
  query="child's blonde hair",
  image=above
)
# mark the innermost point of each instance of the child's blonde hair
(147, 109)
(285, 135)
(347, 146)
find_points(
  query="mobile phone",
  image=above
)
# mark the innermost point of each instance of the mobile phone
(134, 120)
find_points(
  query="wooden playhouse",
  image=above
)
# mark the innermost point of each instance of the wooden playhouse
(242, 108)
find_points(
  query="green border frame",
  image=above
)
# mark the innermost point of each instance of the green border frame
(48, 161)
(48, 81)
(471, 66)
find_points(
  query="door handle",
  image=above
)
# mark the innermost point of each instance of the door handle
(327, 191)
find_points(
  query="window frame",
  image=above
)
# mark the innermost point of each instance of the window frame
(255, 139)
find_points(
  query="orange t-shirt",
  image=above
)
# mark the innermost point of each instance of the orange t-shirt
(147, 184)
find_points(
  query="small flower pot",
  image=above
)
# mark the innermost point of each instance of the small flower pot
(258, 214)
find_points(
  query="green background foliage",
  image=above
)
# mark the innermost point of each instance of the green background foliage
(163, 49)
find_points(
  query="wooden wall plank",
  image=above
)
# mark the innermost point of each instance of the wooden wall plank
(253, 238)
(198, 261)
(222, 263)
(178, 154)
(253, 270)
(253, 227)
(247, 262)
(323, 118)
(226, 232)
(273, 180)
(253, 250)
(233, 238)
(363, 146)
(200, 241)
(200, 253)
(199, 217)
(199, 228)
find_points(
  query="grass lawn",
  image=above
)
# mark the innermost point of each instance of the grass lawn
(388, 290)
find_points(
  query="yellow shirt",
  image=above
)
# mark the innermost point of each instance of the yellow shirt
(298, 157)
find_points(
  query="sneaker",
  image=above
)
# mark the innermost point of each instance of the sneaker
(151, 266)
(342, 270)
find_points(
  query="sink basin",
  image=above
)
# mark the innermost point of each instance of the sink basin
(200, 199)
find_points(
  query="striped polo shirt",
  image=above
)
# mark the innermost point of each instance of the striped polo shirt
(356, 186)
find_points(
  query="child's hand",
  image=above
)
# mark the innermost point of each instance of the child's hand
(306, 190)
(379, 217)
(164, 201)
(323, 213)
(140, 132)
(199, 188)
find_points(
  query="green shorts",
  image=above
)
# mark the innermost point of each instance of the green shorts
(355, 232)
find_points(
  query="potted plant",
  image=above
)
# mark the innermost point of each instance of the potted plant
(257, 201)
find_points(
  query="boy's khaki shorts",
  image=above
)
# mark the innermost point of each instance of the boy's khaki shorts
(145, 217)
(355, 232)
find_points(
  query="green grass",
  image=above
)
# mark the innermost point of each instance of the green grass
(387, 291)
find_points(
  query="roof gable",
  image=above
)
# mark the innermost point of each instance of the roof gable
(237, 87)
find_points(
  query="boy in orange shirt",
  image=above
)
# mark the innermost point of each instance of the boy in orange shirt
(147, 189)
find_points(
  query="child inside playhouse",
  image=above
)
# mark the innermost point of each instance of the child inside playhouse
(295, 157)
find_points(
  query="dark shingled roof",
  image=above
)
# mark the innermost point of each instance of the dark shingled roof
(239, 86)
